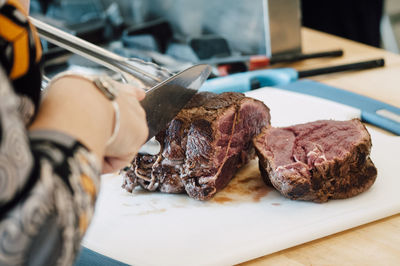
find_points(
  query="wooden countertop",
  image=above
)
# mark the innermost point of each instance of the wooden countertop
(376, 243)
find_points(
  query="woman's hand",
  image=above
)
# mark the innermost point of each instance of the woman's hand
(133, 128)
(74, 106)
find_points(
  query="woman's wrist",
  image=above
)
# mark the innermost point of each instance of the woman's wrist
(75, 106)
(105, 85)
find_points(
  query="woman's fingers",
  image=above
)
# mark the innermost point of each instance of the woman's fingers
(112, 164)
(133, 128)
(140, 93)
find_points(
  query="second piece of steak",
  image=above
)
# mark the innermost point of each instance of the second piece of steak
(202, 147)
(317, 161)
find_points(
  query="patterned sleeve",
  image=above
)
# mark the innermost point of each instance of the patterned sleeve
(48, 187)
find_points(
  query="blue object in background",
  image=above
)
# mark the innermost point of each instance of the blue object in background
(372, 111)
(246, 81)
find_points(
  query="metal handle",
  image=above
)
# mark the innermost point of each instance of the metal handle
(149, 74)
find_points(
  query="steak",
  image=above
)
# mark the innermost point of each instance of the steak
(317, 161)
(202, 147)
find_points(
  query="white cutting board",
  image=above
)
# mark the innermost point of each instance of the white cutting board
(247, 219)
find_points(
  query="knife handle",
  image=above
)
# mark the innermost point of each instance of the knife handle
(242, 82)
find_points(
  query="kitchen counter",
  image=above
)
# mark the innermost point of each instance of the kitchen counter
(376, 243)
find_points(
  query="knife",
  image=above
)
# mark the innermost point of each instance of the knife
(163, 102)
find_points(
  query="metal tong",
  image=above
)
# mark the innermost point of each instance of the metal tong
(140, 73)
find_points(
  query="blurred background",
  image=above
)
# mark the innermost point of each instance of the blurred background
(373, 22)
(390, 26)
(175, 33)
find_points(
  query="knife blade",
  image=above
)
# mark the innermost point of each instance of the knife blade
(164, 101)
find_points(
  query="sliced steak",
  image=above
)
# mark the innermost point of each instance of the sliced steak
(202, 147)
(317, 161)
